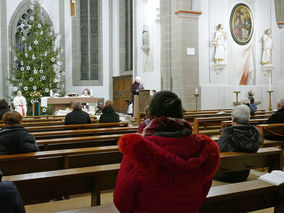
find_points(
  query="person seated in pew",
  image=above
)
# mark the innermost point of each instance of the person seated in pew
(246, 101)
(278, 116)
(14, 138)
(252, 104)
(108, 114)
(167, 168)
(240, 137)
(146, 121)
(77, 116)
(4, 107)
(10, 199)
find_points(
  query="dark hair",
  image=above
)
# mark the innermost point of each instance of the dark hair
(3, 104)
(76, 105)
(87, 91)
(12, 118)
(166, 103)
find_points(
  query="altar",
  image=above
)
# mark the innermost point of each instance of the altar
(61, 103)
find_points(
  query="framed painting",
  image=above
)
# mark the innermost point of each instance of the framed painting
(241, 24)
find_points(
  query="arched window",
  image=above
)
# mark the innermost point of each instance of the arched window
(22, 16)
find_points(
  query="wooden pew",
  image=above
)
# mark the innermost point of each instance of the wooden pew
(44, 123)
(80, 157)
(216, 121)
(251, 121)
(75, 126)
(272, 130)
(234, 198)
(83, 132)
(265, 157)
(78, 142)
(191, 117)
(59, 159)
(38, 120)
(43, 186)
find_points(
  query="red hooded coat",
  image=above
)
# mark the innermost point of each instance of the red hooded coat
(165, 174)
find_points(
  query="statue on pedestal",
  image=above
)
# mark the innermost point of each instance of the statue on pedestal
(267, 48)
(219, 42)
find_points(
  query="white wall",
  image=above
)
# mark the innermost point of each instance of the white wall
(148, 67)
(223, 84)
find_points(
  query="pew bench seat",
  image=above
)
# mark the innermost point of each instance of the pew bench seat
(234, 198)
(43, 186)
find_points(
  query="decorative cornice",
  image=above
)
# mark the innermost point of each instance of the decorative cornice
(188, 13)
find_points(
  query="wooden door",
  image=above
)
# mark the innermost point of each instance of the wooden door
(121, 92)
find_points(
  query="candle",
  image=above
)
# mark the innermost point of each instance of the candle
(91, 92)
(269, 84)
(196, 91)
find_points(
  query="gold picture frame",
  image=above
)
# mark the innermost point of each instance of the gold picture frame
(241, 24)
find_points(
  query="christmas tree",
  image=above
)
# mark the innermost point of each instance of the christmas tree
(37, 65)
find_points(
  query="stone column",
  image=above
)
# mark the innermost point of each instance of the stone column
(4, 46)
(179, 31)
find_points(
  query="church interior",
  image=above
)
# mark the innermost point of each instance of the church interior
(214, 55)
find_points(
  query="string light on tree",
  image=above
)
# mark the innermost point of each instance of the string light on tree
(38, 52)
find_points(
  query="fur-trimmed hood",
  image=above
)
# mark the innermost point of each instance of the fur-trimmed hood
(177, 161)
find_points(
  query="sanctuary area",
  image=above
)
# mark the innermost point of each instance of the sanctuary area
(141, 106)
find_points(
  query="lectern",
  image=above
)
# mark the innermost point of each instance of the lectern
(141, 101)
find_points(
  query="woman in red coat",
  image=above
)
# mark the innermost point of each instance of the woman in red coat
(167, 169)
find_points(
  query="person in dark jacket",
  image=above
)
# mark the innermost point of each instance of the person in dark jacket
(108, 114)
(4, 107)
(77, 116)
(135, 87)
(240, 137)
(278, 116)
(10, 199)
(246, 101)
(167, 168)
(14, 138)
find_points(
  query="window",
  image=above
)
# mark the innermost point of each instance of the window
(89, 39)
(86, 45)
(128, 35)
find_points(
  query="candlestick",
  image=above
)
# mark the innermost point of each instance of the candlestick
(269, 96)
(196, 99)
(269, 84)
(237, 97)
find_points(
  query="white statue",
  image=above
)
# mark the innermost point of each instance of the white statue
(146, 39)
(267, 47)
(219, 42)
(20, 104)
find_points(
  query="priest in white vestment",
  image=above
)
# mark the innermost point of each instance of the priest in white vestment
(20, 104)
